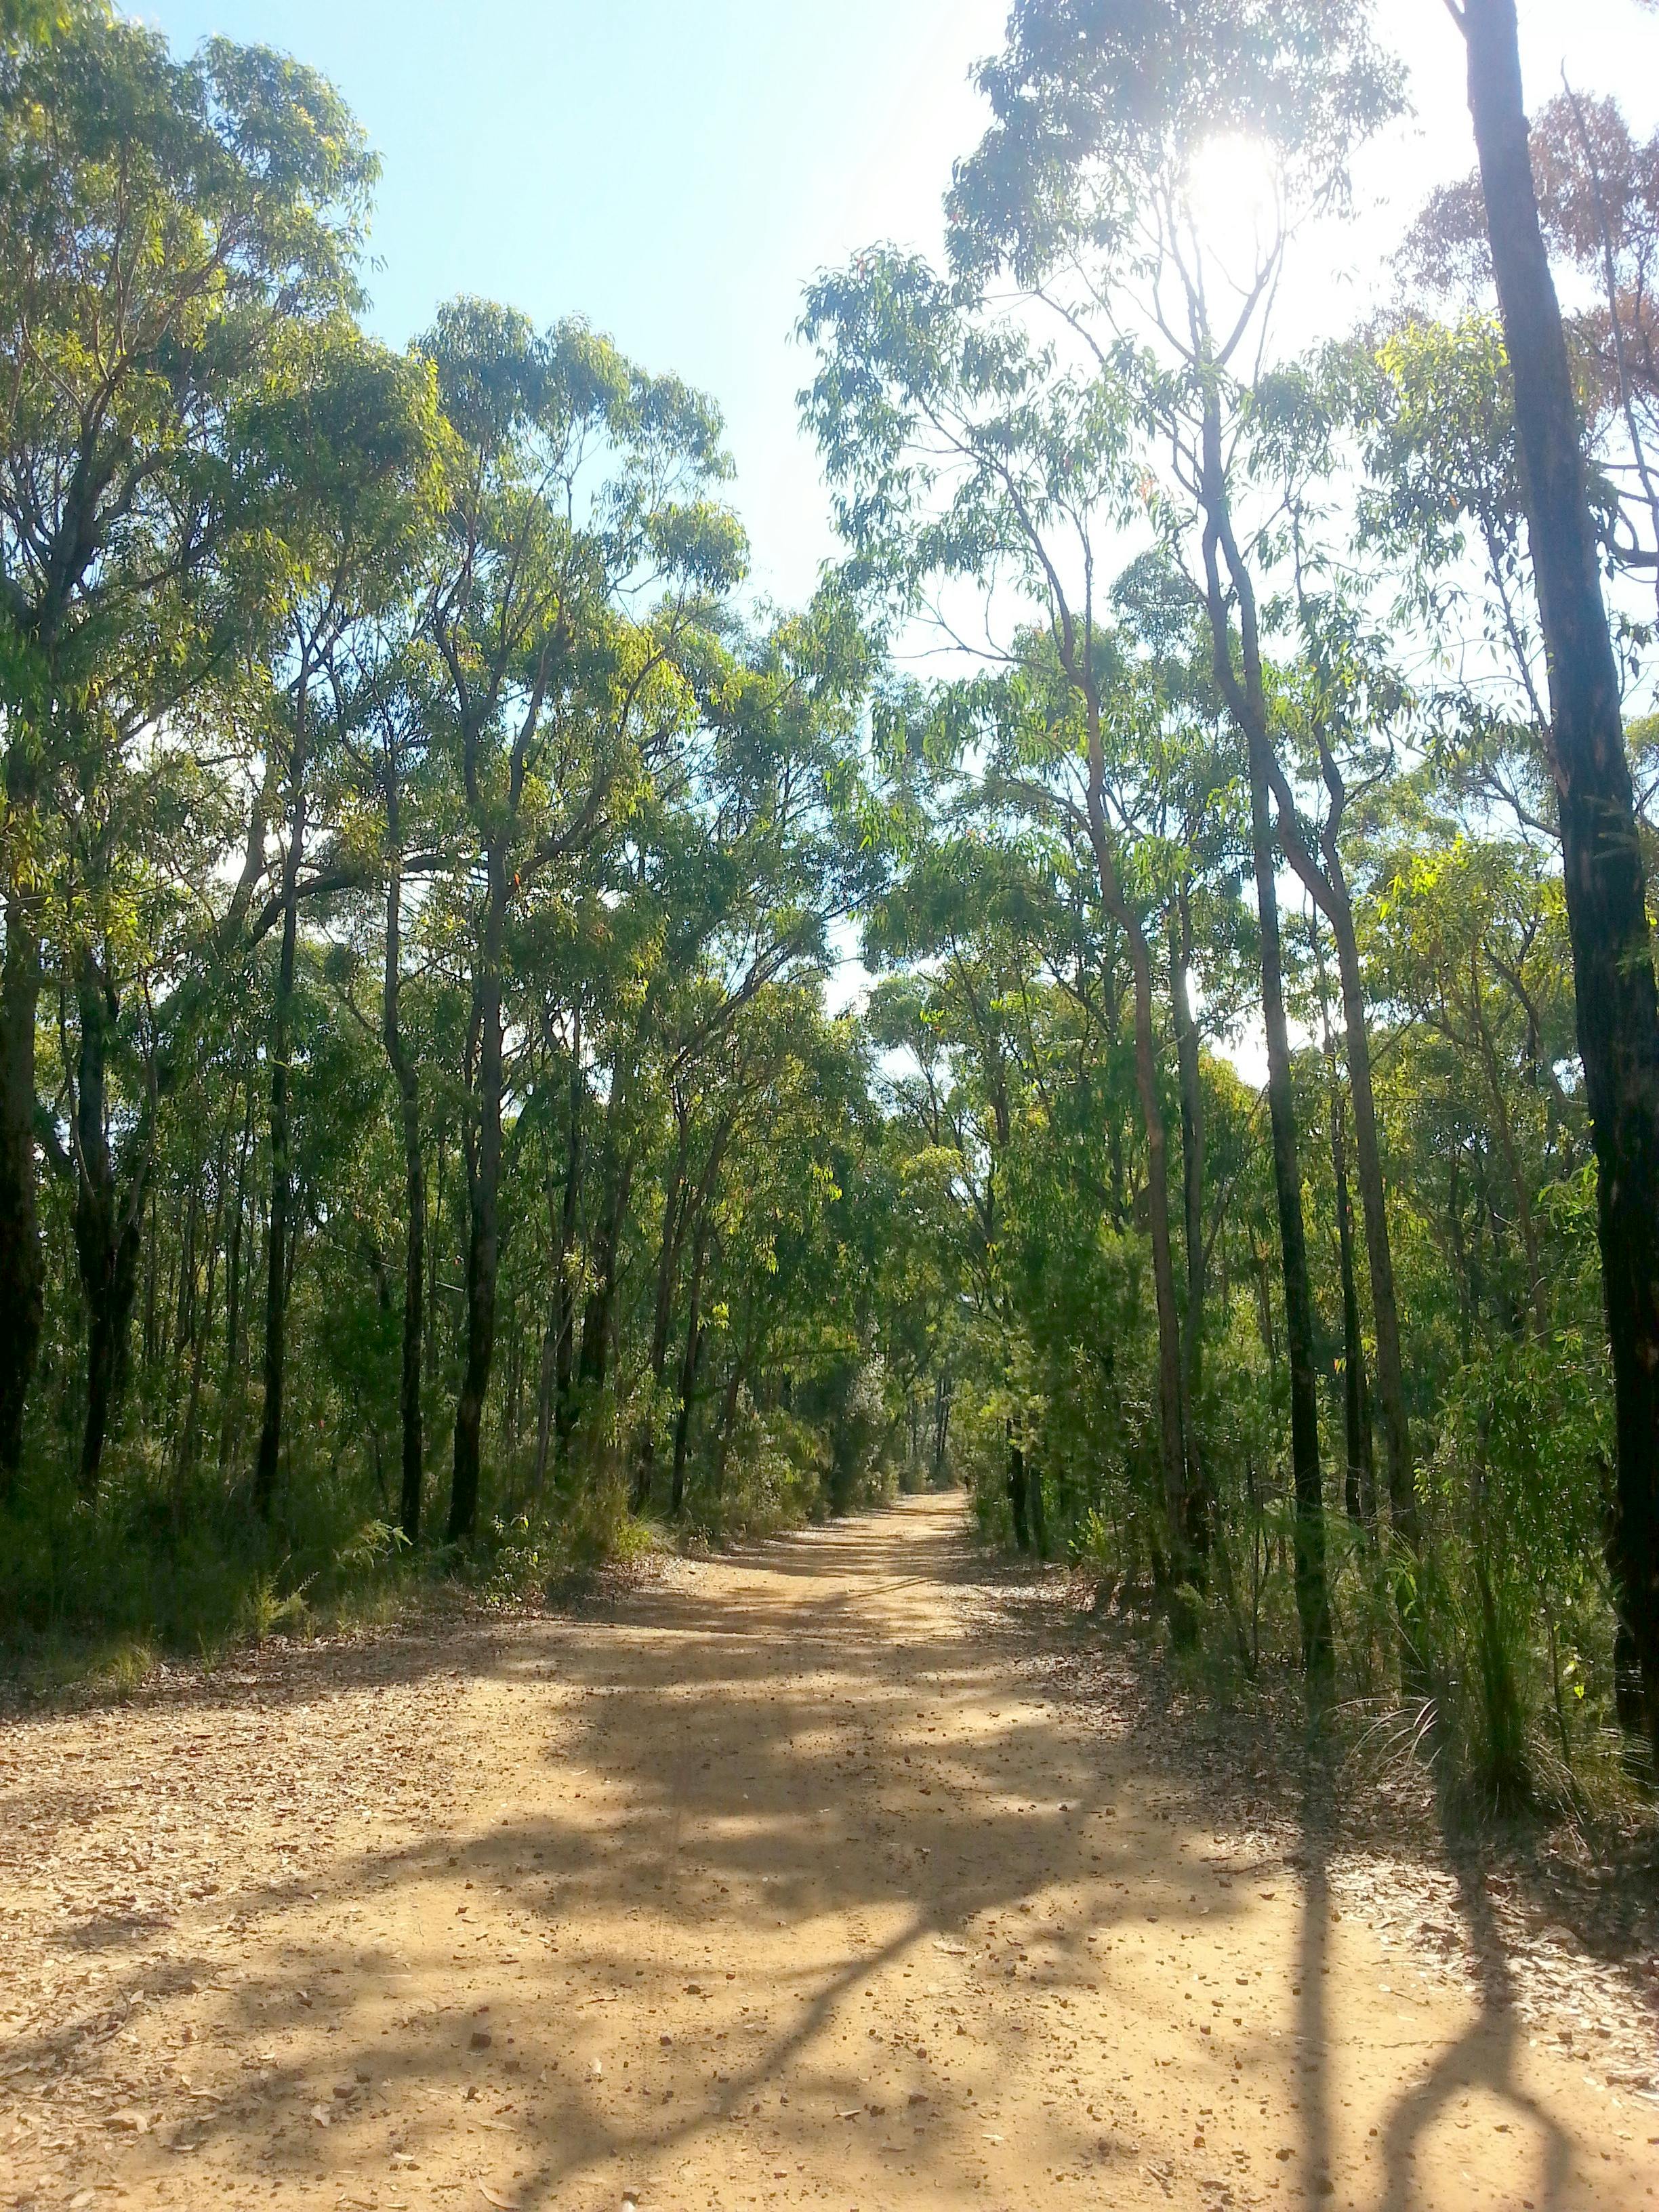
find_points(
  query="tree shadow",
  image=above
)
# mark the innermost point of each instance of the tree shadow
(742, 1766)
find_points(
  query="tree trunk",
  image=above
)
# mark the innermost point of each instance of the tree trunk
(1247, 700)
(413, 1457)
(615, 1190)
(668, 1255)
(1184, 1502)
(278, 1225)
(556, 1410)
(689, 1365)
(23, 1272)
(483, 1172)
(107, 1237)
(1192, 1143)
(1018, 1504)
(1605, 892)
(234, 1289)
(1379, 1249)
(186, 1459)
(1359, 1488)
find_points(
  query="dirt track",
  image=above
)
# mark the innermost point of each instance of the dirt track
(781, 1881)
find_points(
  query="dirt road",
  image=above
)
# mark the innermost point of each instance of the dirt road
(781, 1881)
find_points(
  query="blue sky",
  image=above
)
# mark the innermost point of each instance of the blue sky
(677, 169)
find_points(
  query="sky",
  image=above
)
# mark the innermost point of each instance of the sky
(677, 170)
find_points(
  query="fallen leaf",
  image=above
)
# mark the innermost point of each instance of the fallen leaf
(493, 2196)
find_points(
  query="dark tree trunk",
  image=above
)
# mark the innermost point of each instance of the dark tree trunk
(1192, 1143)
(413, 1453)
(1379, 1249)
(22, 1273)
(1247, 700)
(279, 1225)
(668, 1257)
(1359, 1489)
(689, 1362)
(1605, 892)
(1184, 1504)
(107, 1239)
(186, 1460)
(616, 1189)
(233, 1290)
(556, 1411)
(1037, 1508)
(1018, 1502)
(483, 1173)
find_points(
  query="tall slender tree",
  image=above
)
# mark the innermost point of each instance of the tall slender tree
(1606, 882)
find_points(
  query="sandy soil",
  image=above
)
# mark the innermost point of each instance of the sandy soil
(786, 1880)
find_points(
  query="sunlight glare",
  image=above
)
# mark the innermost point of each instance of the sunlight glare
(1233, 203)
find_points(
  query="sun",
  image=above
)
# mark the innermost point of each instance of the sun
(1233, 204)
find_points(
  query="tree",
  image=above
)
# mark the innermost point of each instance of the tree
(163, 223)
(1606, 887)
(349, 431)
(1083, 189)
(963, 453)
(559, 703)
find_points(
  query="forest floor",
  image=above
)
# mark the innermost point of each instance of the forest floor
(846, 1869)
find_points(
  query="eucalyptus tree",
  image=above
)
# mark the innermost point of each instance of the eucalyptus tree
(1088, 190)
(770, 855)
(349, 432)
(964, 455)
(1597, 190)
(1604, 871)
(391, 778)
(581, 553)
(163, 223)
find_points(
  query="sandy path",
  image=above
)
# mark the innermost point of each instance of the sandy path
(781, 1883)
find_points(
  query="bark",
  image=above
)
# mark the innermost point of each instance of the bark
(1036, 1507)
(668, 1257)
(556, 1409)
(1186, 1507)
(1192, 1148)
(233, 1290)
(186, 1460)
(107, 1239)
(616, 1189)
(1604, 881)
(1327, 885)
(483, 1174)
(1400, 1471)
(22, 1270)
(279, 1225)
(404, 1075)
(1359, 1486)
(1247, 701)
(1018, 1500)
(689, 1208)
(689, 1362)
